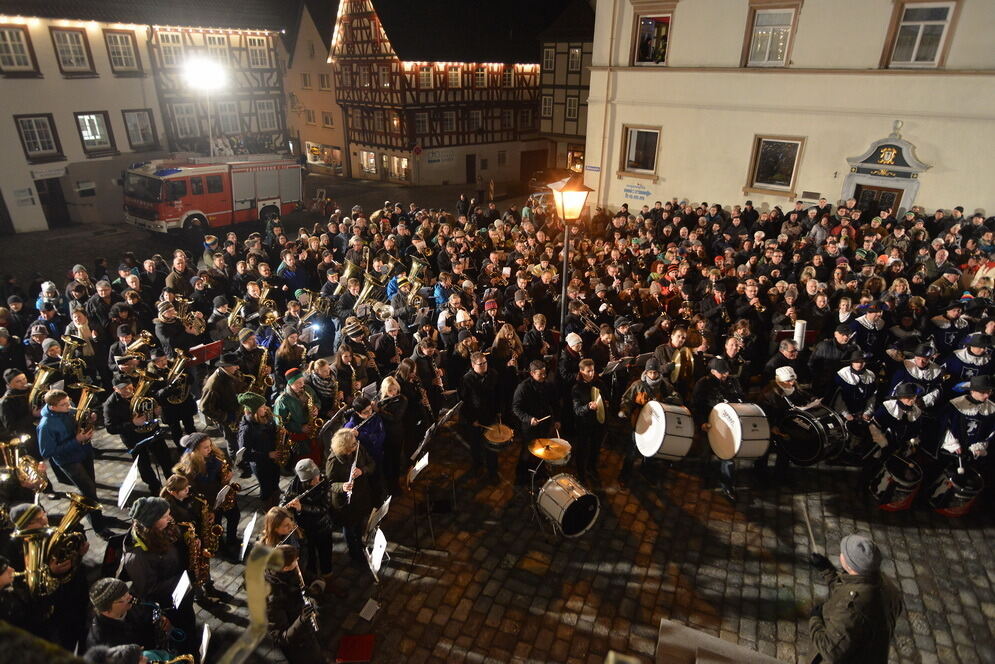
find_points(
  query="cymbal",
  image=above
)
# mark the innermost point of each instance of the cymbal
(499, 433)
(549, 449)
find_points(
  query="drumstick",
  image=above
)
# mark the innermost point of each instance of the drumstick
(808, 524)
(543, 419)
(484, 426)
(960, 466)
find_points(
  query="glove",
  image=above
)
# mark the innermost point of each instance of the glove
(603, 307)
(820, 562)
(816, 611)
(979, 450)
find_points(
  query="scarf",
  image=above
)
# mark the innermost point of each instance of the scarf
(325, 387)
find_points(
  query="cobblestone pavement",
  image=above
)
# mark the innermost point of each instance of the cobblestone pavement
(497, 587)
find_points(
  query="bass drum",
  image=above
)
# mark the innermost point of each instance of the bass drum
(953, 494)
(569, 505)
(738, 431)
(896, 484)
(664, 431)
(812, 435)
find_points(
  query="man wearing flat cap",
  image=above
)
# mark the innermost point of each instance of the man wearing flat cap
(718, 386)
(219, 398)
(856, 622)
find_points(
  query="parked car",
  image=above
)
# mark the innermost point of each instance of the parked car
(543, 177)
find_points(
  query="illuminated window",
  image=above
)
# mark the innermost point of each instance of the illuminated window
(266, 115)
(94, 132)
(217, 47)
(425, 78)
(185, 117)
(258, 50)
(652, 37)
(770, 37)
(574, 59)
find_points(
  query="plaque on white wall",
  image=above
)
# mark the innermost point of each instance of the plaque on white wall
(24, 197)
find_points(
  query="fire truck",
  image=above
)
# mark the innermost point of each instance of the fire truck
(183, 193)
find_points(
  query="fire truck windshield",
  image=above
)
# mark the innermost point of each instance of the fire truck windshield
(143, 187)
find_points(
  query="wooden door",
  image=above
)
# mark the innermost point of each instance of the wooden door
(471, 169)
(53, 203)
(874, 199)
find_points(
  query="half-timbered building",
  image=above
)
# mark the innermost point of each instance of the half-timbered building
(91, 87)
(438, 92)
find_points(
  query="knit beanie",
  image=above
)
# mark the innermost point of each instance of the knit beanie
(126, 654)
(191, 440)
(163, 306)
(251, 401)
(293, 375)
(860, 554)
(147, 511)
(106, 591)
(23, 514)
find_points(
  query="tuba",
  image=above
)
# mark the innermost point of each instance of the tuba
(27, 468)
(236, 317)
(142, 405)
(348, 272)
(44, 375)
(177, 378)
(187, 317)
(414, 297)
(135, 347)
(37, 575)
(418, 268)
(64, 544)
(83, 410)
(265, 301)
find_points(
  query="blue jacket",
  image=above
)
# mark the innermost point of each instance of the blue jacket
(371, 436)
(57, 438)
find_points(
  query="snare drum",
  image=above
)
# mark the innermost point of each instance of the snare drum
(812, 435)
(953, 493)
(738, 430)
(664, 431)
(895, 486)
(569, 505)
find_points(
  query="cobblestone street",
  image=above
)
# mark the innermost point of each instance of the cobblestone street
(496, 587)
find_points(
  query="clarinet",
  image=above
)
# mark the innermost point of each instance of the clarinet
(308, 603)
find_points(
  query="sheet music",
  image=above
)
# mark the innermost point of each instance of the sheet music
(205, 642)
(369, 609)
(181, 589)
(247, 535)
(379, 548)
(239, 456)
(130, 480)
(222, 494)
(417, 468)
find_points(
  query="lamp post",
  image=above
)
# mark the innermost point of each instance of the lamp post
(569, 197)
(205, 75)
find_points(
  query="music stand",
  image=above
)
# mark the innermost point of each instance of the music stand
(413, 474)
(204, 353)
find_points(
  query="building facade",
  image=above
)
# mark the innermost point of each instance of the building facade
(314, 117)
(90, 88)
(450, 108)
(888, 102)
(565, 77)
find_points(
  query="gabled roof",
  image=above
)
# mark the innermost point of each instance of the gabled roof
(323, 12)
(467, 30)
(235, 14)
(575, 23)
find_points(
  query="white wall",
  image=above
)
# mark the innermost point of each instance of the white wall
(60, 96)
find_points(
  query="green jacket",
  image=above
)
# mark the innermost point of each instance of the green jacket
(292, 412)
(857, 621)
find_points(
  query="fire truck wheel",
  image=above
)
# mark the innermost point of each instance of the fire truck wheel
(195, 222)
(269, 212)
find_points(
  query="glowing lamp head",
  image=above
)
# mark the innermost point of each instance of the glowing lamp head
(204, 74)
(570, 196)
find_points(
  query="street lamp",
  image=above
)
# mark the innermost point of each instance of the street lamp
(569, 197)
(205, 75)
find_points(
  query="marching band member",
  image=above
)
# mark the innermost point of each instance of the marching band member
(209, 471)
(777, 397)
(139, 434)
(922, 372)
(308, 499)
(116, 620)
(534, 405)
(219, 401)
(971, 360)
(297, 408)
(855, 396)
(588, 420)
(257, 435)
(649, 387)
(291, 618)
(391, 407)
(477, 391)
(968, 423)
(717, 387)
(349, 470)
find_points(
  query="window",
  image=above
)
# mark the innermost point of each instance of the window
(176, 189)
(548, 59)
(770, 37)
(38, 137)
(72, 50)
(140, 129)
(480, 77)
(922, 33)
(309, 116)
(368, 161)
(547, 106)
(215, 184)
(640, 149)
(572, 103)
(228, 117)
(196, 186)
(574, 59)
(475, 121)
(525, 120)
(384, 77)
(502, 158)
(652, 37)
(122, 52)
(310, 49)
(324, 82)
(449, 121)
(266, 115)
(508, 78)
(305, 80)
(217, 47)
(258, 52)
(425, 78)
(421, 123)
(507, 119)
(187, 122)
(453, 77)
(327, 119)
(378, 121)
(171, 48)
(483, 164)
(364, 77)
(774, 164)
(95, 132)
(16, 55)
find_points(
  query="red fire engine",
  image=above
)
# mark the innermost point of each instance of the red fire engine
(173, 194)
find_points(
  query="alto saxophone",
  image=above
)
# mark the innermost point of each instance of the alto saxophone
(264, 377)
(314, 421)
(197, 561)
(234, 487)
(283, 446)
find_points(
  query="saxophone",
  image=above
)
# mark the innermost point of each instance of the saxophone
(210, 532)
(198, 562)
(283, 446)
(313, 421)
(230, 499)
(264, 377)
(177, 379)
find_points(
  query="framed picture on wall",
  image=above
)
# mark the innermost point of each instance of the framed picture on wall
(774, 164)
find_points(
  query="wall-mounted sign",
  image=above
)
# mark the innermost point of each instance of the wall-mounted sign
(636, 192)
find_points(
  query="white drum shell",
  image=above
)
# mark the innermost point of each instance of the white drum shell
(558, 494)
(664, 431)
(738, 430)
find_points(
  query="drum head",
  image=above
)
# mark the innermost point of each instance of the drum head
(580, 515)
(650, 428)
(804, 438)
(905, 472)
(725, 434)
(968, 483)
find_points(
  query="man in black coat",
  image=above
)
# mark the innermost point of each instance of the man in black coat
(134, 429)
(478, 391)
(115, 621)
(535, 406)
(588, 419)
(826, 358)
(715, 388)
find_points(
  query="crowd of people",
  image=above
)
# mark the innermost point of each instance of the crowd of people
(327, 354)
